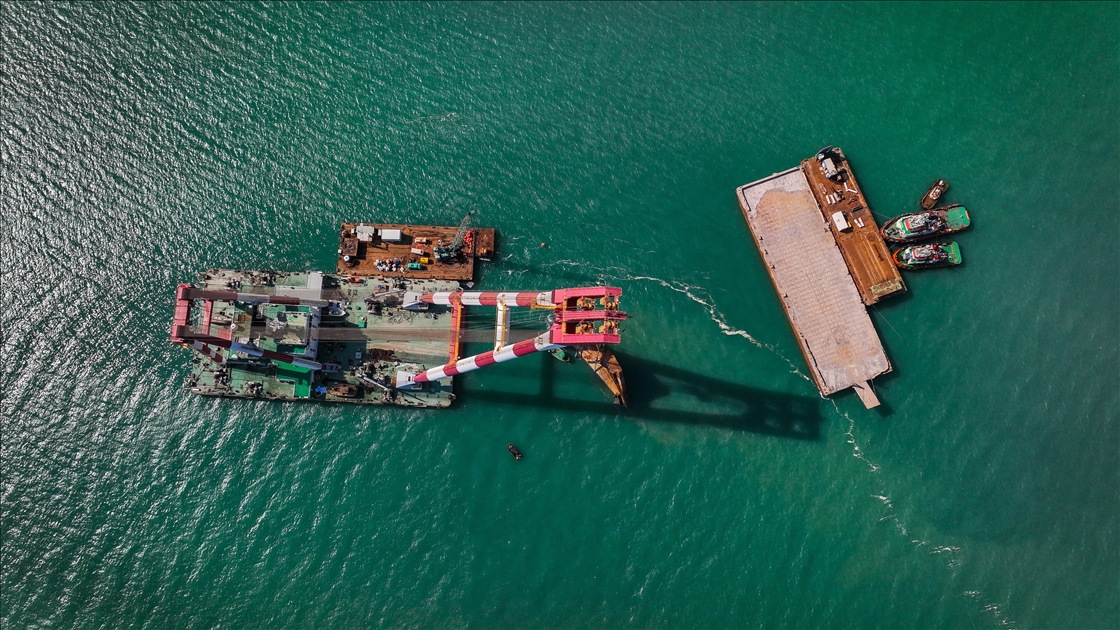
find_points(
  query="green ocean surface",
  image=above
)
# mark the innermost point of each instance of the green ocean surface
(142, 143)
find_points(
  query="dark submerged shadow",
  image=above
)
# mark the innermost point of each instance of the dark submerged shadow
(752, 409)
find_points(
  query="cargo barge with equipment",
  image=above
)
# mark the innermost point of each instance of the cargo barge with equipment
(828, 261)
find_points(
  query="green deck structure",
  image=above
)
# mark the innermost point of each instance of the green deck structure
(300, 376)
(356, 332)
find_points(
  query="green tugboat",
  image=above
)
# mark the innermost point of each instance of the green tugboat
(915, 226)
(928, 255)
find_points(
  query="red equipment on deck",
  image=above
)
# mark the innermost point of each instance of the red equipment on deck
(201, 341)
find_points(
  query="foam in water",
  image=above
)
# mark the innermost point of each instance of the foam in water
(953, 553)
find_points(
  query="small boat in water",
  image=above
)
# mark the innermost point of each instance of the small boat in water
(513, 451)
(915, 226)
(928, 255)
(935, 192)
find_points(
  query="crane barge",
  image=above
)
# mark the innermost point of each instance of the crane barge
(366, 339)
(446, 253)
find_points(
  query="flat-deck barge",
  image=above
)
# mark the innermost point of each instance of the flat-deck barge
(827, 260)
(362, 246)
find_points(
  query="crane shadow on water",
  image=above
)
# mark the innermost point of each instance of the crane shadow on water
(695, 398)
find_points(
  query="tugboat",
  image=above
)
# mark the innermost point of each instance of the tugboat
(915, 226)
(935, 192)
(928, 255)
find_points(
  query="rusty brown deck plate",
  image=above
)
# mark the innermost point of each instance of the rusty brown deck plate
(368, 253)
(864, 250)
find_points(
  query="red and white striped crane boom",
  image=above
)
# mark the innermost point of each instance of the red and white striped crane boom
(575, 312)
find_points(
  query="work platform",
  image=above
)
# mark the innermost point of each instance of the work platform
(824, 276)
(864, 250)
(365, 244)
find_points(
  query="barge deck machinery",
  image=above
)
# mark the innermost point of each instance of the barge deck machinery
(296, 336)
(413, 252)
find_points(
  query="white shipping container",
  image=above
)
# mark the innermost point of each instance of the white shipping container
(365, 233)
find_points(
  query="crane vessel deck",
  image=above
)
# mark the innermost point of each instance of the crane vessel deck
(390, 338)
(299, 336)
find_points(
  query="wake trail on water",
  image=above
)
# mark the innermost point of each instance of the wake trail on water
(952, 554)
(690, 291)
(703, 297)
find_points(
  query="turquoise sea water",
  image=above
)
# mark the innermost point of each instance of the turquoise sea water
(142, 143)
